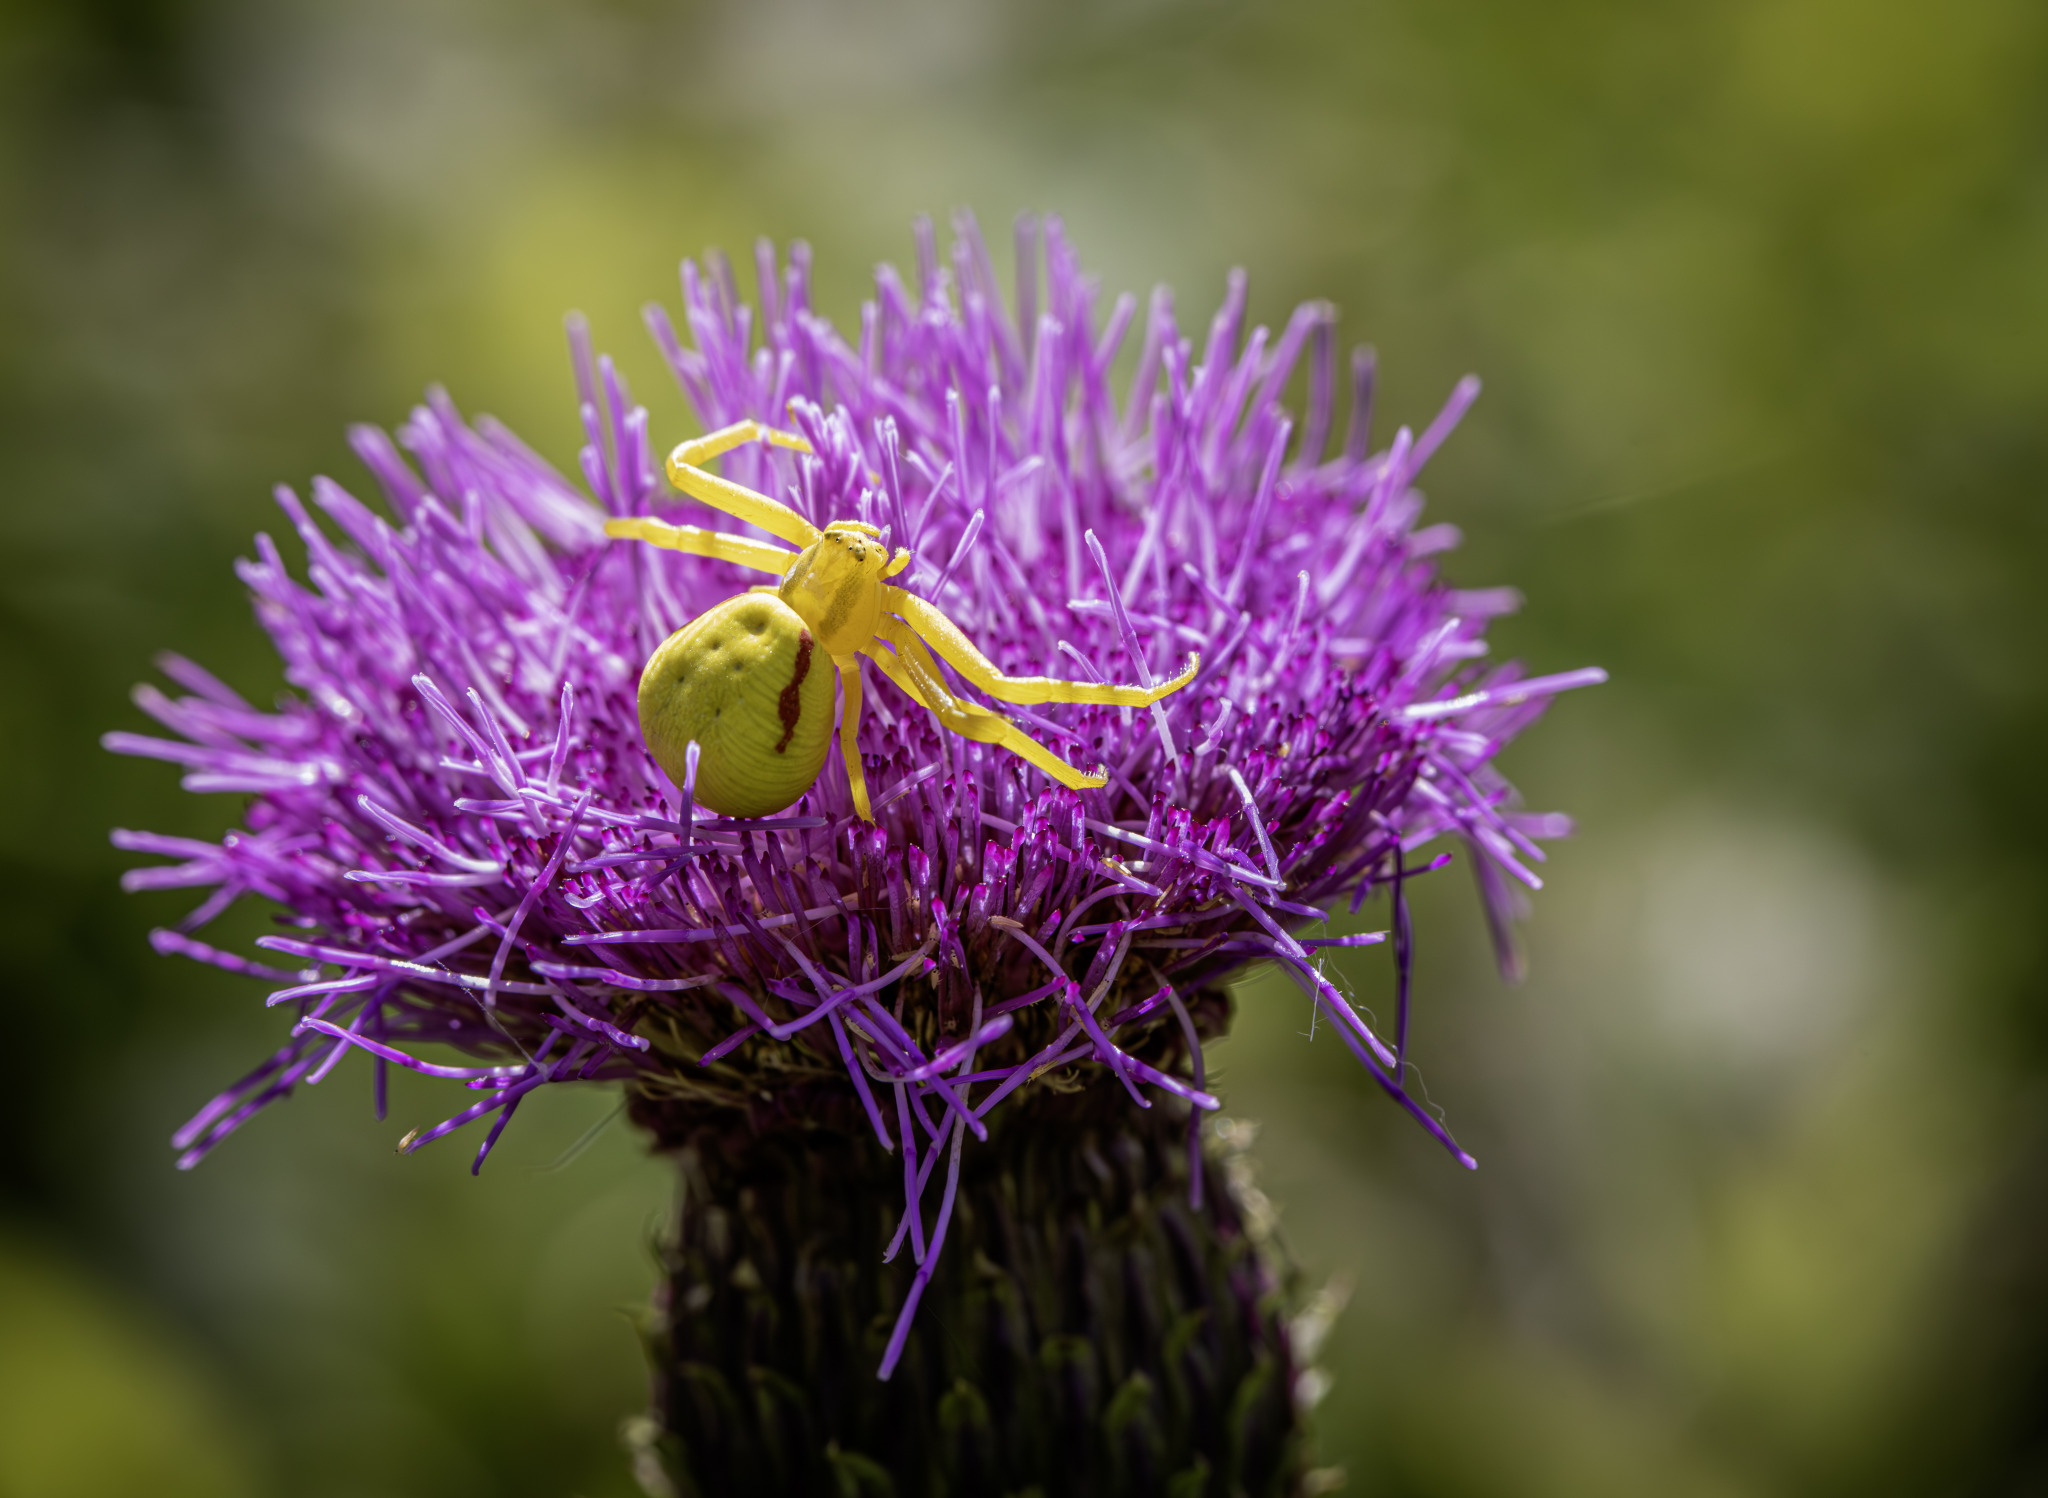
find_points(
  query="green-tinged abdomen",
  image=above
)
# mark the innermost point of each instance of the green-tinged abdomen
(746, 681)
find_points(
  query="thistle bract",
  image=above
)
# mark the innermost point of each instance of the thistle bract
(459, 815)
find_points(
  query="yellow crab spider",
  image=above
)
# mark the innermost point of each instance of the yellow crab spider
(738, 681)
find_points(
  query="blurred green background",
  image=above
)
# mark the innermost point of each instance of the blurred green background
(1760, 293)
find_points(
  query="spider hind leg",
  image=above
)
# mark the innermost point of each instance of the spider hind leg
(849, 734)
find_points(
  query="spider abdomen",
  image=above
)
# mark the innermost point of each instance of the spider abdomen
(746, 680)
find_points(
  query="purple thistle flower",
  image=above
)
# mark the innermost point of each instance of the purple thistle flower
(476, 849)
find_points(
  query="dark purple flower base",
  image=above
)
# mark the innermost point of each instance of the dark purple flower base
(1086, 1331)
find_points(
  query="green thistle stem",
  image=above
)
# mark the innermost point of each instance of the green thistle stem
(1086, 1331)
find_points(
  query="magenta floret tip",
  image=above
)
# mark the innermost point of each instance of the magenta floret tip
(459, 814)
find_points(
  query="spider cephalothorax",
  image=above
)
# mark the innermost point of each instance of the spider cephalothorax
(737, 681)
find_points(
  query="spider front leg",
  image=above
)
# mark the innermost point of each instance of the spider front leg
(687, 474)
(913, 669)
(961, 653)
(762, 556)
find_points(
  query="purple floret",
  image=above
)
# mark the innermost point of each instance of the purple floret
(473, 847)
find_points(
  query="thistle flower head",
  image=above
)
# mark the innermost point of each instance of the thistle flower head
(457, 814)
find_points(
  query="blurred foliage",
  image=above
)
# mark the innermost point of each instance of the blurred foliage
(1757, 291)
(91, 1402)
